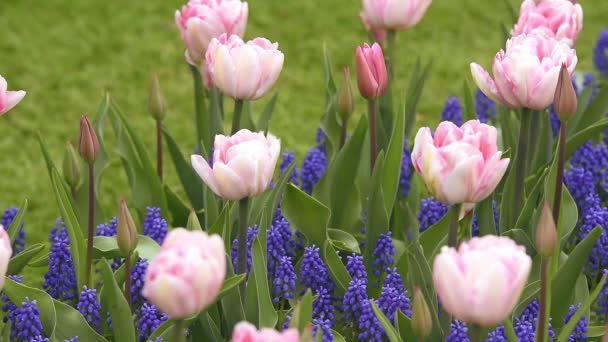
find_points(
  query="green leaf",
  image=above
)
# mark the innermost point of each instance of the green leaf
(404, 326)
(193, 222)
(469, 111)
(535, 198)
(521, 238)
(302, 314)
(191, 182)
(413, 95)
(377, 217)
(122, 319)
(231, 283)
(390, 331)
(19, 261)
(596, 331)
(223, 226)
(72, 324)
(202, 119)
(485, 217)
(343, 240)
(264, 118)
(17, 223)
(267, 315)
(147, 190)
(231, 303)
(430, 240)
(336, 268)
(582, 136)
(178, 209)
(392, 163)
(569, 328)
(107, 247)
(18, 293)
(329, 121)
(77, 247)
(306, 214)
(270, 199)
(595, 112)
(562, 288)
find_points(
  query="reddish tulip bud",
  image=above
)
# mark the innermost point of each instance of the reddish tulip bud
(422, 323)
(372, 76)
(346, 99)
(546, 233)
(127, 231)
(156, 104)
(71, 166)
(88, 145)
(565, 101)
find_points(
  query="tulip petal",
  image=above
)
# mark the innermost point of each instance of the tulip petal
(204, 171)
(485, 83)
(224, 72)
(248, 73)
(12, 99)
(230, 184)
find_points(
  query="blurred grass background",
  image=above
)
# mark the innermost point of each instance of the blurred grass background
(67, 54)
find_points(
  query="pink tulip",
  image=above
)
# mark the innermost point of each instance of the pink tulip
(188, 273)
(379, 34)
(459, 165)
(482, 281)
(526, 74)
(246, 332)
(5, 254)
(200, 21)
(241, 70)
(394, 14)
(372, 76)
(8, 99)
(243, 164)
(559, 19)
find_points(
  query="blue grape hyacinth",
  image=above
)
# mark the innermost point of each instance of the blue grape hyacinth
(60, 279)
(600, 52)
(394, 296)
(150, 319)
(406, 171)
(313, 271)
(356, 268)
(138, 275)
(89, 307)
(155, 225)
(284, 284)
(431, 211)
(484, 107)
(25, 322)
(7, 219)
(289, 157)
(9, 307)
(383, 254)
(370, 328)
(354, 297)
(252, 233)
(313, 168)
(453, 111)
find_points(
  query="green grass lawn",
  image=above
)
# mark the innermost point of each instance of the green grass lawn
(67, 53)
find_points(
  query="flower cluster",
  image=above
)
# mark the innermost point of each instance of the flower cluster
(60, 279)
(7, 219)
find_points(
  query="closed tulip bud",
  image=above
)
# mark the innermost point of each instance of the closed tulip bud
(546, 233)
(422, 323)
(156, 104)
(5, 254)
(565, 101)
(127, 231)
(346, 99)
(372, 76)
(88, 145)
(71, 166)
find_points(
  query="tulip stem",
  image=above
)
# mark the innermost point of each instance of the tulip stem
(453, 229)
(343, 132)
(91, 234)
(236, 119)
(559, 186)
(242, 245)
(372, 108)
(128, 279)
(476, 333)
(391, 36)
(521, 164)
(545, 287)
(199, 105)
(180, 330)
(159, 149)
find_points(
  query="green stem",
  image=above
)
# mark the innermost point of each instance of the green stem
(476, 333)
(559, 186)
(128, 279)
(242, 245)
(343, 132)
(373, 131)
(159, 149)
(454, 218)
(180, 330)
(236, 119)
(389, 58)
(91, 230)
(521, 163)
(198, 104)
(509, 330)
(545, 292)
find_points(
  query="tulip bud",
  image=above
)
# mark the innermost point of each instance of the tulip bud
(546, 233)
(71, 166)
(127, 231)
(422, 323)
(565, 101)
(88, 145)
(372, 76)
(193, 222)
(346, 100)
(156, 104)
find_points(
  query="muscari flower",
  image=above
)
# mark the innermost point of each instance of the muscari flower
(383, 254)
(252, 233)
(60, 279)
(580, 185)
(600, 53)
(89, 307)
(394, 296)
(280, 242)
(150, 319)
(138, 275)
(323, 308)
(313, 271)
(7, 219)
(370, 328)
(602, 302)
(284, 284)
(289, 158)
(459, 332)
(154, 225)
(324, 326)
(452, 111)
(354, 297)
(431, 211)
(598, 259)
(9, 306)
(406, 171)
(580, 331)
(356, 268)
(25, 322)
(485, 108)
(313, 168)
(475, 223)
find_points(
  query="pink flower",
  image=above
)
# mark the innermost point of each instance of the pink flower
(559, 19)
(246, 332)
(459, 165)
(379, 34)
(394, 14)
(8, 99)
(200, 21)
(243, 164)
(526, 74)
(372, 76)
(188, 273)
(5, 254)
(482, 281)
(241, 70)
